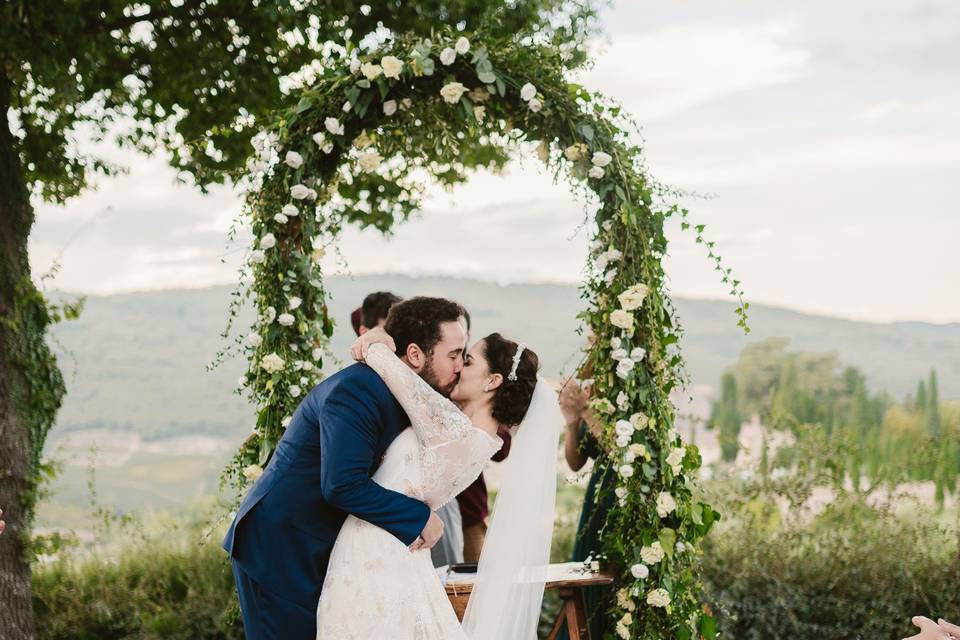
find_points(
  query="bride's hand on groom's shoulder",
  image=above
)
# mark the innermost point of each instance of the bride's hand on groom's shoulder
(377, 335)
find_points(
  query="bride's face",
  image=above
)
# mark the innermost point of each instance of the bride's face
(475, 374)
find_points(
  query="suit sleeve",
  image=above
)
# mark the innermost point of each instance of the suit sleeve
(349, 427)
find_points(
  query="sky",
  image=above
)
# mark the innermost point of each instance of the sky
(826, 136)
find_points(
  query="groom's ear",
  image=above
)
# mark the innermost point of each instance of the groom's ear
(415, 356)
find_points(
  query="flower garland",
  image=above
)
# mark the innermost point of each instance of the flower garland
(366, 136)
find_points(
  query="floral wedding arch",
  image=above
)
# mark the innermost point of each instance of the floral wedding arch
(367, 133)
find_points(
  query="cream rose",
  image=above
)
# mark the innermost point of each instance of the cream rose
(293, 160)
(528, 92)
(389, 107)
(652, 554)
(601, 159)
(370, 71)
(272, 363)
(665, 504)
(299, 192)
(286, 319)
(448, 56)
(392, 66)
(290, 210)
(622, 319)
(334, 126)
(252, 472)
(452, 91)
(462, 45)
(268, 241)
(633, 297)
(370, 160)
(640, 571)
(658, 598)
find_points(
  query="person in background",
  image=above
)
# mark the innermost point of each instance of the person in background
(3, 525)
(581, 443)
(356, 318)
(375, 308)
(473, 502)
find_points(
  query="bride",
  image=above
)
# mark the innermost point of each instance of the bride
(375, 587)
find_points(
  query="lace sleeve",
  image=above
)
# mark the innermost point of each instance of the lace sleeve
(435, 419)
(454, 452)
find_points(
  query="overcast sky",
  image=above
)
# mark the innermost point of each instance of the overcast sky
(828, 132)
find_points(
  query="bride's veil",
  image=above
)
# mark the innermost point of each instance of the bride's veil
(508, 592)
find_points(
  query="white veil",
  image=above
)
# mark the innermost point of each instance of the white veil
(508, 592)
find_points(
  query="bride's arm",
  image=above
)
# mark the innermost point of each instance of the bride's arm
(435, 419)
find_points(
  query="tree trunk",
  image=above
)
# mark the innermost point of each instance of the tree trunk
(30, 385)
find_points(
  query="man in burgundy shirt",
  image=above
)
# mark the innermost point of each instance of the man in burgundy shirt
(474, 507)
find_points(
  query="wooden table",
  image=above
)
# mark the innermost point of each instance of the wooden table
(568, 578)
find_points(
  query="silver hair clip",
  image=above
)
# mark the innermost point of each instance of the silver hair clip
(516, 362)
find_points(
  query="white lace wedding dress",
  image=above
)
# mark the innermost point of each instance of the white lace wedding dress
(375, 587)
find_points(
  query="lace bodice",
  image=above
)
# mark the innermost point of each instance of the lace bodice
(448, 452)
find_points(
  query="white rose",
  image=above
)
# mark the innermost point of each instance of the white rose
(575, 151)
(623, 441)
(271, 314)
(320, 139)
(626, 470)
(680, 547)
(615, 343)
(354, 65)
(633, 297)
(624, 368)
(621, 492)
(462, 45)
(333, 126)
(392, 66)
(290, 210)
(317, 353)
(665, 504)
(254, 339)
(640, 571)
(627, 619)
(479, 112)
(272, 363)
(389, 107)
(623, 428)
(268, 241)
(299, 191)
(621, 318)
(675, 459)
(535, 105)
(638, 449)
(252, 472)
(452, 91)
(628, 456)
(528, 92)
(639, 420)
(637, 354)
(295, 391)
(448, 56)
(623, 632)
(658, 598)
(293, 160)
(623, 401)
(601, 159)
(286, 319)
(311, 194)
(652, 554)
(370, 160)
(282, 219)
(595, 172)
(370, 71)
(294, 303)
(618, 354)
(257, 257)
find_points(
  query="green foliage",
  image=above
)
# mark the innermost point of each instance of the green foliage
(116, 68)
(727, 418)
(158, 590)
(854, 571)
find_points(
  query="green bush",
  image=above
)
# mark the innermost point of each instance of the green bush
(854, 572)
(168, 591)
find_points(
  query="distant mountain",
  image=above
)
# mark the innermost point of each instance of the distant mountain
(136, 362)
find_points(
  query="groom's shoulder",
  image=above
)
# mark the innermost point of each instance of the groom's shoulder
(357, 377)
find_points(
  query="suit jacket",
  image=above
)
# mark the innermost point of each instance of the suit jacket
(287, 523)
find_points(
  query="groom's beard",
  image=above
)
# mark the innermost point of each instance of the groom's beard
(430, 377)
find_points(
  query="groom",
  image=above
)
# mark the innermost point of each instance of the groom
(281, 538)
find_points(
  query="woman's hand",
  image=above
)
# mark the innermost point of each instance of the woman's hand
(377, 335)
(573, 403)
(929, 630)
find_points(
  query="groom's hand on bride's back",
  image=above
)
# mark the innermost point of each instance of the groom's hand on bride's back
(377, 335)
(430, 535)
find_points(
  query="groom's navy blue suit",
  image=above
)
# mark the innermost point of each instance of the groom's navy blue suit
(281, 538)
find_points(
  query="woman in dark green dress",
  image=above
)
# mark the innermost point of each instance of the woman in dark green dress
(580, 445)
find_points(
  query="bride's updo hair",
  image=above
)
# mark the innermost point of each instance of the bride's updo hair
(512, 398)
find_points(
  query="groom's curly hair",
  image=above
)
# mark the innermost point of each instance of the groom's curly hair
(512, 398)
(418, 321)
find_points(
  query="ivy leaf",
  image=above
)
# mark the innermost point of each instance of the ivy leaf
(304, 104)
(668, 538)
